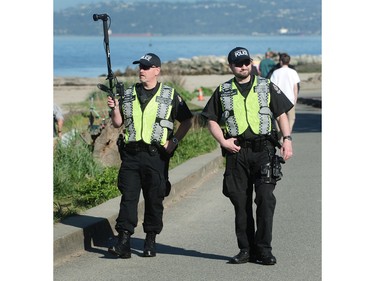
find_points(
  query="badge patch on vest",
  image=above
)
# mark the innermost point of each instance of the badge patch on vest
(163, 100)
(229, 92)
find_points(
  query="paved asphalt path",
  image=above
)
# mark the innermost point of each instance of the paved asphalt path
(198, 236)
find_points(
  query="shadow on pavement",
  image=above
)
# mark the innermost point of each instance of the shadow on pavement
(96, 230)
(307, 123)
(137, 249)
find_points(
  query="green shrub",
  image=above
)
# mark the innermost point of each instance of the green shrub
(196, 142)
(97, 190)
(72, 162)
(186, 95)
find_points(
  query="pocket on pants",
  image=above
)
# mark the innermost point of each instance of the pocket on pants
(163, 188)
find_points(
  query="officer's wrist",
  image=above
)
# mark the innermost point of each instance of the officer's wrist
(287, 138)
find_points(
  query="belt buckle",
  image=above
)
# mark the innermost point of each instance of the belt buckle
(256, 145)
(152, 149)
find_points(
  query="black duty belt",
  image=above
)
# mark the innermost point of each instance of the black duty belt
(257, 144)
(140, 146)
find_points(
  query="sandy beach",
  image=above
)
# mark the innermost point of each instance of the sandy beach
(68, 90)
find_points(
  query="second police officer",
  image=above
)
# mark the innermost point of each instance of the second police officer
(246, 107)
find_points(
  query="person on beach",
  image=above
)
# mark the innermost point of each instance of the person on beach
(277, 66)
(287, 79)
(266, 64)
(246, 107)
(58, 121)
(147, 112)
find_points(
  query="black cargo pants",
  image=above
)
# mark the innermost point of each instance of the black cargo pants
(242, 177)
(141, 171)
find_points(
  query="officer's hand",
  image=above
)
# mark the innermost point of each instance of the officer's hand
(230, 145)
(112, 102)
(170, 146)
(286, 149)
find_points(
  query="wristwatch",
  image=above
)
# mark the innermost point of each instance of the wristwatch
(287, 138)
(175, 140)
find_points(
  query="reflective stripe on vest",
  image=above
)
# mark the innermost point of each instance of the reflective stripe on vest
(255, 107)
(155, 116)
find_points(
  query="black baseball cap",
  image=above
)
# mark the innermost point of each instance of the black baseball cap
(149, 59)
(238, 54)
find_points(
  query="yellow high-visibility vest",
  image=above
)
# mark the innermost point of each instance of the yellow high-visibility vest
(149, 125)
(240, 112)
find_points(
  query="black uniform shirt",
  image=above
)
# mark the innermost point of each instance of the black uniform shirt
(279, 104)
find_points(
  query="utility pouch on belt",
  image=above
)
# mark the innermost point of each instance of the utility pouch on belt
(121, 145)
(266, 173)
(276, 167)
(271, 172)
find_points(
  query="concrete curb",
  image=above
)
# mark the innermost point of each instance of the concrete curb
(95, 226)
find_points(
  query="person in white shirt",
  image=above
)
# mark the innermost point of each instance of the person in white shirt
(287, 79)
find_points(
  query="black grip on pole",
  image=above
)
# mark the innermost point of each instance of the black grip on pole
(97, 17)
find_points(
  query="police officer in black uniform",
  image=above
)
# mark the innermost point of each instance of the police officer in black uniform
(241, 115)
(147, 111)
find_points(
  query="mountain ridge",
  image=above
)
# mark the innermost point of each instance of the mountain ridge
(289, 17)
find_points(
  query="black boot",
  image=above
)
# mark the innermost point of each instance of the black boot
(149, 246)
(266, 259)
(122, 248)
(242, 257)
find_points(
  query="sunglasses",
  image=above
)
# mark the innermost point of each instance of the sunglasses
(241, 63)
(144, 67)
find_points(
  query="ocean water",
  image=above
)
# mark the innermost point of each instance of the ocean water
(86, 56)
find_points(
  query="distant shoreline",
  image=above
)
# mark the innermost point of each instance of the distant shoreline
(212, 65)
(86, 57)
